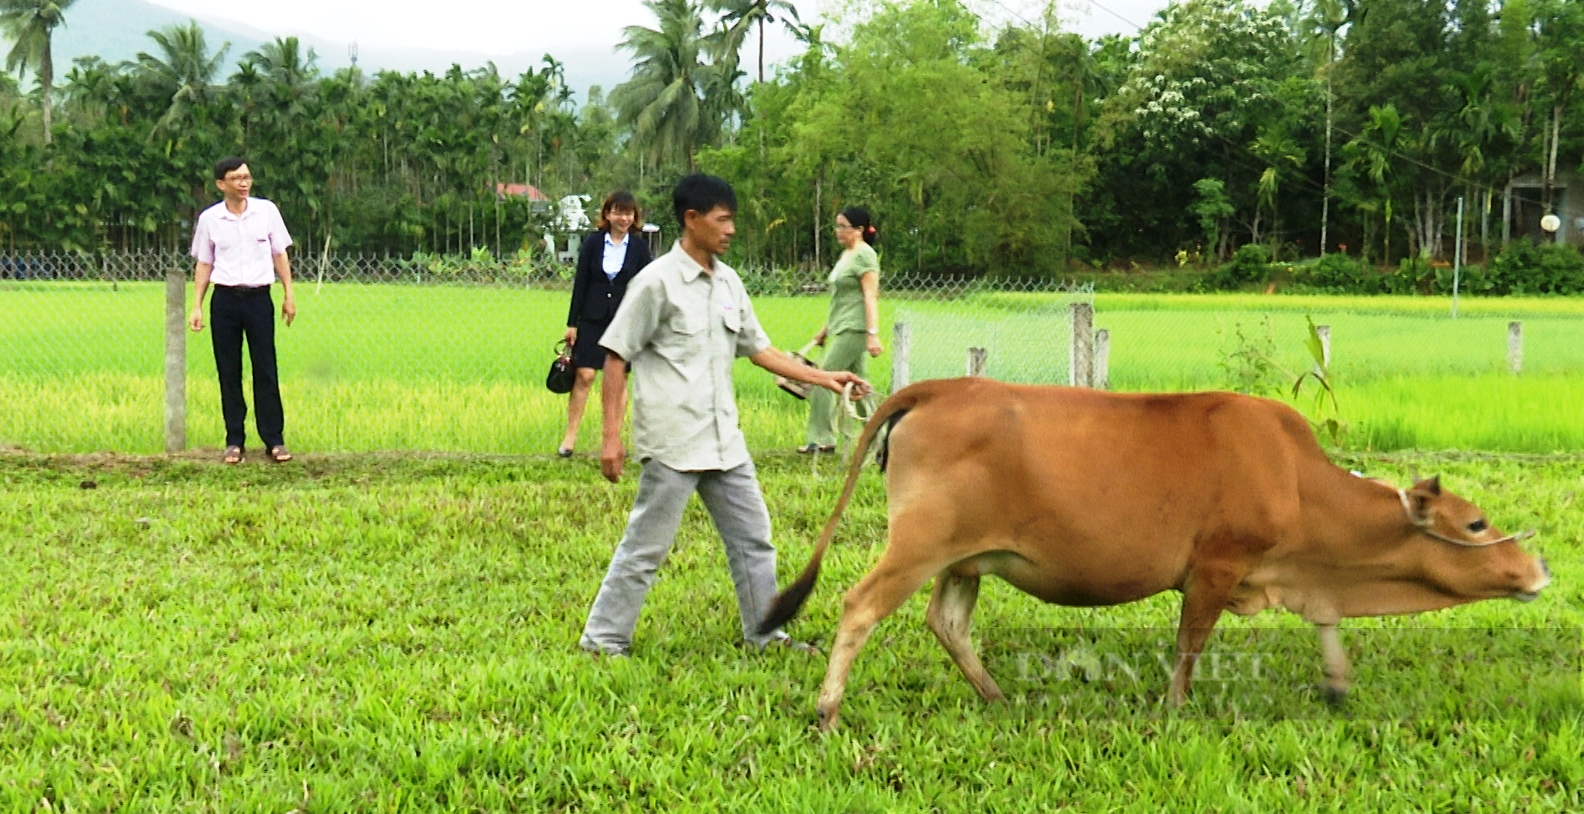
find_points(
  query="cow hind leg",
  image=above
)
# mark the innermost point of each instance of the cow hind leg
(875, 597)
(1205, 595)
(950, 614)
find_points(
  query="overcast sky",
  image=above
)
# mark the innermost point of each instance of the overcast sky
(582, 34)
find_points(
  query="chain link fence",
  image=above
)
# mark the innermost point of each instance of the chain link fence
(449, 353)
(366, 308)
(1024, 328)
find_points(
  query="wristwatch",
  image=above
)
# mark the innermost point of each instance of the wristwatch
(874, 331)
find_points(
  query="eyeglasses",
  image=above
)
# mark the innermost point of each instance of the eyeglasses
(845, 226)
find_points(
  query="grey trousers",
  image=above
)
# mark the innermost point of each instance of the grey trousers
(734, 502)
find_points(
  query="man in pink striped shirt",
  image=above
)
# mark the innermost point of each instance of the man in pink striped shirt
(240, 246)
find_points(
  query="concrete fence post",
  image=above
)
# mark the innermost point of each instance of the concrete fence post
(176, 359)
(1102, 359)
(899, 356)
(1515, 346)
(977, 358)
(1080, 361)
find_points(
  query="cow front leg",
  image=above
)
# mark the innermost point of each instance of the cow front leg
(1337, 669)
(950, 615)
(875, 597)
(1205, 595)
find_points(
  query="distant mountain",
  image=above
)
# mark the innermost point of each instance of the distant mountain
(116, 30)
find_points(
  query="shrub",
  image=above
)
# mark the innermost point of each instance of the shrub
(1471, 280)
(1340, 274)
(1414, 276)
(1250, 264)
(1526, 268)
(761, 281)
(1153, 282)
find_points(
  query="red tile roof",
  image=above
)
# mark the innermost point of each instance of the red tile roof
(528, 191)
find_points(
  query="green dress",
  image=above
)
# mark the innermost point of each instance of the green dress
(846, 336)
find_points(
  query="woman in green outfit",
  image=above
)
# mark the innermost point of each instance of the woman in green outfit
(853, 328)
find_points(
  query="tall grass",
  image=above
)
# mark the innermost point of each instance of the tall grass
(1484, 412)
(371, 367)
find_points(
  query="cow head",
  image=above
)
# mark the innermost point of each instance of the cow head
(1463, 553)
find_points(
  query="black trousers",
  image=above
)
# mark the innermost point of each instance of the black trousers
(235, 314)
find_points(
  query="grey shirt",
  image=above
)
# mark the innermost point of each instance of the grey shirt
(681, 327)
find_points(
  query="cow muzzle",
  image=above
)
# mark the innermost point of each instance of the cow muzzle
(1533, 592)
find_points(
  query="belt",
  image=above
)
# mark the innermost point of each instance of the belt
(243, 290)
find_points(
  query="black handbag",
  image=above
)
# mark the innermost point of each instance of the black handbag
(559, 379)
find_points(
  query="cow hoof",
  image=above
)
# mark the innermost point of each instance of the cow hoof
(1335, 697)
(826, 721)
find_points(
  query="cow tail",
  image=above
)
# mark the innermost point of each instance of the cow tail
(786, 604)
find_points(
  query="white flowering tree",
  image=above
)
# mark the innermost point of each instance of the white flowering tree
(1211, 95)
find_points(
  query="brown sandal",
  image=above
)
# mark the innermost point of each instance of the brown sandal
(279, 454)
(233, 455)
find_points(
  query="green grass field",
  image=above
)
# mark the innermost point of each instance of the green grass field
(375, 628)
(396, 633)
(394, 367)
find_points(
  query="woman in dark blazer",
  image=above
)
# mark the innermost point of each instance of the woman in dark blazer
(609, 259)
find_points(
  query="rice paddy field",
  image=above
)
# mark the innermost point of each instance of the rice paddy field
(389, 622)
(458, 369)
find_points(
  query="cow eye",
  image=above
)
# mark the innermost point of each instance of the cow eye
(1478, 526)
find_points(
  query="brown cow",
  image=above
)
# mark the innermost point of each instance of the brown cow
(1081, 497)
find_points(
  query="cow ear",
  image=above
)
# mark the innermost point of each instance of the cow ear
(1419, 506)
(1420, 495)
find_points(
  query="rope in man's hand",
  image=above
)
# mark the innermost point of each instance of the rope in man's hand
(846, 409)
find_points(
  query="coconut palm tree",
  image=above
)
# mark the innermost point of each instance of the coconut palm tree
(664, 101)
(30, 25)
(741, 15)
(275, 83)
(285, 64)
(184, 70)
(92, 87)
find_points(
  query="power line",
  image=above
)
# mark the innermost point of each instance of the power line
(1018, 15)
(1456, 178)
(1136, 26)
(1091, 3)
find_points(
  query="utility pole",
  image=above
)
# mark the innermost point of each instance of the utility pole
(1325, 199)
(1457, 258)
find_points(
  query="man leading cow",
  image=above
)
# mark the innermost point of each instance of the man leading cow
(685, 319)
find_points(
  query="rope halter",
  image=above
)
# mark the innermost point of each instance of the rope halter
(1424, 527)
